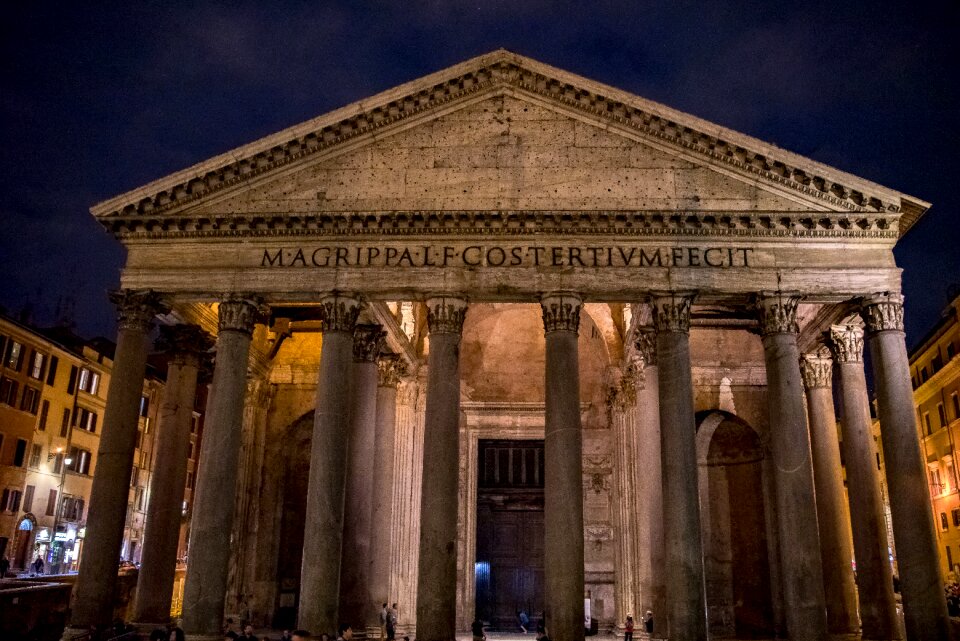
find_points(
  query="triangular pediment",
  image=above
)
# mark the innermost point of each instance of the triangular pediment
(503, 132)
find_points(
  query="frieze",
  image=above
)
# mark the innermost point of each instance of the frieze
(510, 223)
(504, 74)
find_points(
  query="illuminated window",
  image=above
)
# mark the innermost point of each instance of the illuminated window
(14, 355)
(38, 365)
(89, 381)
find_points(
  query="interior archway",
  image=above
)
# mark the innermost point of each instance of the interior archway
(736, 562)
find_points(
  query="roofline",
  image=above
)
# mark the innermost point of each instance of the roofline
(948, 314)
(916, 206)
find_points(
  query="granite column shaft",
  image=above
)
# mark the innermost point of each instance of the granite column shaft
(356, 609)
(324, 522)
(94, 592)
(878, 608)
(683, 547)
(215, 496)
(437, 575)
(836, 553)
(186, 343)
(563, 470)
(801, 566)
(924, 603)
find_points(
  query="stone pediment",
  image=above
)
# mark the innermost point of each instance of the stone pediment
(500, 138)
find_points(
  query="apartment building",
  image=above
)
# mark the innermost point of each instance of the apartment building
(935, 371)
(54, 390)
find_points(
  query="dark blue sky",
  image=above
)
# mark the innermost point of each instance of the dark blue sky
(97, 101)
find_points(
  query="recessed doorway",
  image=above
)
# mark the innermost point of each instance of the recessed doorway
(509, 561)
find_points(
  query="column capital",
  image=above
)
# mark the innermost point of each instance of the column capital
(339, 312)
(778, 313)
(671, 311)
(561, 312)
(445, 314)
(846, 343)
(367, 342)
(239, 314)
(817, 369)
(137, 308)
(390, 370)
(184, 343)
(882, 312)
(646, 346)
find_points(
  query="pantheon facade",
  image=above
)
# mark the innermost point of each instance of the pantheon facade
(506, 339)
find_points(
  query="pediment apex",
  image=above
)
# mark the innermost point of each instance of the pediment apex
(825, 187)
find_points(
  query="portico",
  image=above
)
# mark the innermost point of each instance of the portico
(537, 256)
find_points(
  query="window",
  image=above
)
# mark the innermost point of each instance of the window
(942, 414)
(65, 424)
(1, 444)
(951, 351)
(58, 463)
(3, 346)
(144, 405)
(20, 453)
(38, 365)
(72, 383)
(79, 460)
(923, 375)
(138, 495)
(943, 521)
(955, 399)
(89, 381)
(10, 500)
(51, 503)
(35, 451)
(134, 477)
(189, 480)
(14, 355)
(956, 516)
(28, 498)
(194, 423)
(31, 400)
(193, 445)
(948, 464)
(52, 371)
(85, 419)
(936, 487)
(8, 391)
(44, 414)
(71, 508)
(139, 439)
(936, 364)
(927, 424)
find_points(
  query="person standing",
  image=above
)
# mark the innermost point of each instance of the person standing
(648, 622)
(392, 622)
(4, 566)
(477, 629)
(628, 629)
(384, 614)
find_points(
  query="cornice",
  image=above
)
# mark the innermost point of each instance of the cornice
(503, 71)
(879, 226)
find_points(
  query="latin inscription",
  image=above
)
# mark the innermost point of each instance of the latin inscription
(599, 256)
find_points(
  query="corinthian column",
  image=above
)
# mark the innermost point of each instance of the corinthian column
(800, 562)
(93, 594)
(355, 608)
(686, 611)
(323, 525)
(836, 555)
(390, 369)
(651, 571)
(187, 346)
(437, 577)
(878, 609)
(563, 469)
(209, 554)
(924, 604)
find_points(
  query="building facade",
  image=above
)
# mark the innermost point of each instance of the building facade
(506, 339)
(54, 398)
(935, 370)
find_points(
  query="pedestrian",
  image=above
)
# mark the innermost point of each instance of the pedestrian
(286, 636)
(176, 634)
(477, 629)
(346, 633)
(4, 566)
(524, 620)
(628, 629)
(248, 634)
(648, 622)
(392, 623)
(384, 614)
(38, 565)
(300, 635)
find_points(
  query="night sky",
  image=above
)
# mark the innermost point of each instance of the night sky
(96, 102)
